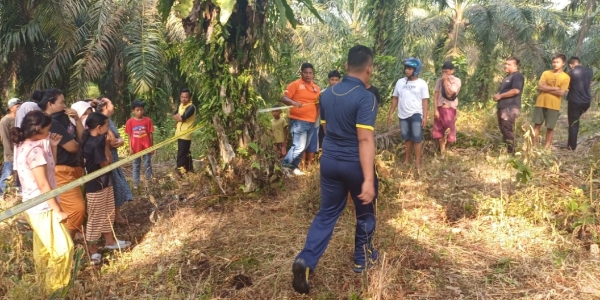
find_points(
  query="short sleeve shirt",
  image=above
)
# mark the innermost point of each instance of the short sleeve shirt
(28, 156)
(278, 129)
(93, 155)
(6, 124)
(63, 126)
(580, 84)
(512, 81)
(455, 85)
(560, 80)
(139, 133)
(410, 96)
(345, 107)
(307, 93)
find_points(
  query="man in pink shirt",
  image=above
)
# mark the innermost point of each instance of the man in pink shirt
(446, 101)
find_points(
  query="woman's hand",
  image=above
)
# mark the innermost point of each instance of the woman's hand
(116, 143)
(55, 139)
(72, 113)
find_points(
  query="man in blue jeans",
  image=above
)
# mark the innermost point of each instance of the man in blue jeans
(303, 94)
(6, 124)
(348, 113)
(411, 96)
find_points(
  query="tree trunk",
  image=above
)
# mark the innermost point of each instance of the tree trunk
(585, 26)
(226, 71)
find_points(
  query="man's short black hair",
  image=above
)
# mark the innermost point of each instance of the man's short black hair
(334, 73)
(185, 90)
(515, 59)
(574, 59)
(137, 103)
(307, 66)
(561, 56)
(359, 57)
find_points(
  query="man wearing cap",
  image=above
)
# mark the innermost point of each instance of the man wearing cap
(446, 101)
(6, 124)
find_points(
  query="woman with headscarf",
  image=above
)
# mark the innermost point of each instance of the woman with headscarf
(121, 187)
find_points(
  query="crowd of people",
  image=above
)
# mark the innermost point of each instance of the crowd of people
(47, 145)
(347, 109)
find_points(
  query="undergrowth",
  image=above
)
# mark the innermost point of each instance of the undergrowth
(477, 224)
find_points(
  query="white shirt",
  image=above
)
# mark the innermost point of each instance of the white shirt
(410, 96)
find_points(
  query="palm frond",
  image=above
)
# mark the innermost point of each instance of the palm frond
(144, 53)
(105, 20)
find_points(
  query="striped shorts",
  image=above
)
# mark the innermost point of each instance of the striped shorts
(101, 213)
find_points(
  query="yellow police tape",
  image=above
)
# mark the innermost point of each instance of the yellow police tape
(19, 208)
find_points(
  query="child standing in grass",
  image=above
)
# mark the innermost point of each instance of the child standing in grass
(35, 159)
(279, 126)
(140, 129)
(95, 148)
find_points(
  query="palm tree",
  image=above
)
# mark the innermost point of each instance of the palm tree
(70, 44)
(227, 39)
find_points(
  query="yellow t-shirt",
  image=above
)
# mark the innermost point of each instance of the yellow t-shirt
(278, 129)
(552, 79)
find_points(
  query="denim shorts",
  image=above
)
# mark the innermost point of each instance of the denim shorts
(411, 128)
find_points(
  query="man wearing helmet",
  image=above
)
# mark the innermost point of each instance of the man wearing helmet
(411, 97)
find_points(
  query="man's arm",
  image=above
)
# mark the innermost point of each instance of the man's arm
(287, 101)
(188, 113)
(425, 103)
(366, 153)
(508, 94)
(448, 87)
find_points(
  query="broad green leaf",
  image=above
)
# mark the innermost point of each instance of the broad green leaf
(226, 10)
(289, 13)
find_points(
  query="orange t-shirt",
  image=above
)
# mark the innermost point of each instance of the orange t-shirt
(303, 92)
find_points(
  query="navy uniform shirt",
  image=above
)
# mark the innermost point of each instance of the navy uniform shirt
(580, 84)
(345, 107)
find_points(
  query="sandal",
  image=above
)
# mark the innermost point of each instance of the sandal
(96, 259)
(119, 245)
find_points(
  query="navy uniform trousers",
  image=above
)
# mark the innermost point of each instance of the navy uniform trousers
(337, 178)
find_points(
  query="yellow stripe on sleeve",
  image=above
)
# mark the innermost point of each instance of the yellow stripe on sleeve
(365, 127)
(323, 121)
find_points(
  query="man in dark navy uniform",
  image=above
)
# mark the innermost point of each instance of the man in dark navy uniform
(579, 97)
(348, 112)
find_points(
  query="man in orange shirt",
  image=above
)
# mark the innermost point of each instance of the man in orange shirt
(302, 94)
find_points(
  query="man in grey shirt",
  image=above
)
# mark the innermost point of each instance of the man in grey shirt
(6, 123)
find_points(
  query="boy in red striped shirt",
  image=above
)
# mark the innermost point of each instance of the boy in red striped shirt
(140, 129)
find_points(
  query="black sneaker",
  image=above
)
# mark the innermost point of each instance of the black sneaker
(372, 259)
(301, 271)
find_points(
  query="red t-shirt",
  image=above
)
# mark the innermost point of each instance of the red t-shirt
(139, 133)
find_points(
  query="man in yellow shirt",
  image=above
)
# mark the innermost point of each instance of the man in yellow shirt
(185, 115)
(552, 86)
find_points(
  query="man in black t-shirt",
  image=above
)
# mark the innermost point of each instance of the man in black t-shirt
(509, 101)
(579, 97)
(375, 91)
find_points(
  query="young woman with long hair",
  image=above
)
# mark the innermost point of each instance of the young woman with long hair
(35, 159)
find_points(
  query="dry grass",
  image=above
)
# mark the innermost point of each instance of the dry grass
(463, 229)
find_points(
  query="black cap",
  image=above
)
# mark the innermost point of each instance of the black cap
(448, 66)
